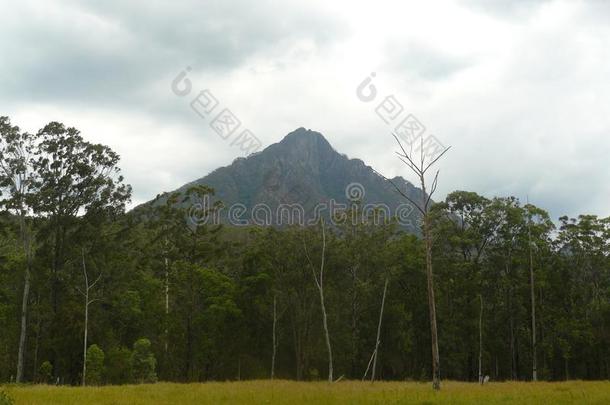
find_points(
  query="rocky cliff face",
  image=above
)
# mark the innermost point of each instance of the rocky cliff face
(303, 169)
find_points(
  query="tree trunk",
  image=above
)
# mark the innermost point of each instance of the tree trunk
(274, 348)
(24, 322)
(296, 338)
(377, 340)
(481, 340)
(86, 294)
(436, 375)
(85, 337)
(513, 356)
(533, 303)
(327, 335)
(26, 241)
(320, 284)
(354, 325)
(166, 305)
(37, 339)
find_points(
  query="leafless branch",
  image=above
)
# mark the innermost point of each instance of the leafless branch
(437, 158)
(416, 205)
(432, 190)
(313, 270)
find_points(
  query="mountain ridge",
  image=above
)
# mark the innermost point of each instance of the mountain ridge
(303, 168)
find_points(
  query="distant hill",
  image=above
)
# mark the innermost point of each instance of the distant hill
(303, 169)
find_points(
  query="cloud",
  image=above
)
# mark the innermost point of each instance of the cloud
(505, 9)
(112, 52)
(519, 89)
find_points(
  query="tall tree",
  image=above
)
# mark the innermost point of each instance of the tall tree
(420, 165)
(16, 179)
(319, 281)
(75, 180)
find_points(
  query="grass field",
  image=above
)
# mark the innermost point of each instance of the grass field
(290, 392)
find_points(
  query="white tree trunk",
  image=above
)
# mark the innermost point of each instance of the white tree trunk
(327, 335)
(436, 374)
(320, 285)
(25, 238)
(24, 323)
(378, 339)
(88, 302)
(85, 337)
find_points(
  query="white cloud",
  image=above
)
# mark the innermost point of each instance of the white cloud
(520, 92)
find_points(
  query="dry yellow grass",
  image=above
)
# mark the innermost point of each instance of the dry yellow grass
(346, 392)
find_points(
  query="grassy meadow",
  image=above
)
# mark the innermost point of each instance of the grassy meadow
(291, 392)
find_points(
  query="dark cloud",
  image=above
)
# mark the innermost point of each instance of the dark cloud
(111, 52)
(518, 88)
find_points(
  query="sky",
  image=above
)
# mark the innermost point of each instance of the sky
(520, 90)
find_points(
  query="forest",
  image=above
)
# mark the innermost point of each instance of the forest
(93, 293)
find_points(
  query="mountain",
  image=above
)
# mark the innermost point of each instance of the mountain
(303, 169)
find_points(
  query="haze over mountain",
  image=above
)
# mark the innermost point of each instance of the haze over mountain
(304, 169)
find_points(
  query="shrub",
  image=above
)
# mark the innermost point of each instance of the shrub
(45, 372)
(6, 399)
(95, 365)
(143, 362)
(118, 366)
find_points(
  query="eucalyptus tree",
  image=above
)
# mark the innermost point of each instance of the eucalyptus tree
(293, 284)
(183, 228)
(165, 221)
(75, 180)
(583, 262)
(16, 182)
(503, 255)
(464, 226)
(72, 177)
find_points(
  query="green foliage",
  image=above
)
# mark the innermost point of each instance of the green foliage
(45, 372)
(143, 362)
(222, 284)
(118, 366)
(95, 365)
(6, 399)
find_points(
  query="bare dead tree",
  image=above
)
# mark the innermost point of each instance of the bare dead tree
(420, 167)
(88, 301)
(319, 280)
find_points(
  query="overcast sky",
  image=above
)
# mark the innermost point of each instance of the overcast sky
(519, 89)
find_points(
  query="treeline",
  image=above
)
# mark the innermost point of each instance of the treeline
(163, 298)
